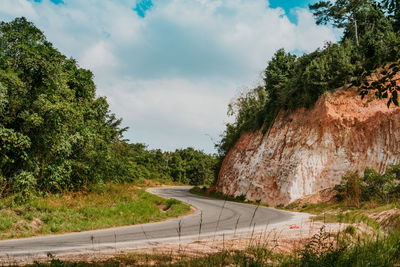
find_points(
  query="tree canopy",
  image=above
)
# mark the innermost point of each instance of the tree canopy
(54, 132)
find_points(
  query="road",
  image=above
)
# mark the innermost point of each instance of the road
(217, 216)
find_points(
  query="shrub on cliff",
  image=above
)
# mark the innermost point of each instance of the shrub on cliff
(371, 186)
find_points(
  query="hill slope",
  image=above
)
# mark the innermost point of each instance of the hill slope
(310, 149)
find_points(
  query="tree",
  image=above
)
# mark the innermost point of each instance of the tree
(278, 72)
(342, 14)
(393, 7)
(385, 83)
(54, 132)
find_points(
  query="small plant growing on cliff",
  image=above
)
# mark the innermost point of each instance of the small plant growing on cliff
(372, 186)
(353, 189)
(349, 189)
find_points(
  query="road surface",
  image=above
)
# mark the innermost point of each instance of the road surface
(217, 217)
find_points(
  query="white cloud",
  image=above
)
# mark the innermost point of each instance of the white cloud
(171, 74)
(99, 58)
(17, 8)
(172, 100)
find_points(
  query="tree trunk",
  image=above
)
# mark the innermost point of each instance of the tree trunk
(356, 29)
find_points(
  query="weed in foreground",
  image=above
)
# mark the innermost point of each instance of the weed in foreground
(322, 250)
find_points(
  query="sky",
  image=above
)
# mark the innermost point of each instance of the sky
(170, 68)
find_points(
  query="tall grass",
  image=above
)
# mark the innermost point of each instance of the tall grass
(322, 250)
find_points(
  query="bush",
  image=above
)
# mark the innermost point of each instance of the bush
(24, 185)
(172, 201)
(372, 186)
(321, 250)
(351, 230)
(3, 185)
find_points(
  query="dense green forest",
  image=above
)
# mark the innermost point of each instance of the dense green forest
(371, 39)
(57, 135)
(184, 166)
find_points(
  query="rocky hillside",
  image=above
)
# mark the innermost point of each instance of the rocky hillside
(311, 149)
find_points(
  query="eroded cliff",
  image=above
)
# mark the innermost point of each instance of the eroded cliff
(311, 149)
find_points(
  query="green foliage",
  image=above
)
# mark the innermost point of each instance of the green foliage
(185, 166)
(278, 73)
(23, 185)
(108, 205)
(393, 8)
(351, 230)
(172, 201)
(364, 22)
(54, 133)
(351, 183)
(248, 109)
(340, 13)
(321, 251)
(386, 86)
(372, 186)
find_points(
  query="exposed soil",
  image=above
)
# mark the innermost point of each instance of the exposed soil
(327, 195)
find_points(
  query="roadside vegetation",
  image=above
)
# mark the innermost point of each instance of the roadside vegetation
(323, 249)
(371, 198)
(105, 206)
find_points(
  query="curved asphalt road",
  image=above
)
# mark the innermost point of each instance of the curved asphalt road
(218, 217)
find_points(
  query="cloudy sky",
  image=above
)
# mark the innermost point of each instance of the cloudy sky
(169, 68)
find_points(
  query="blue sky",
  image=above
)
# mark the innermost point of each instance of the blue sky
(169, 68)
(289, 6)
(57, 2)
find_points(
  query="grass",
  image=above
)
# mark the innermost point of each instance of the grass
(321, 250)
(344, 213)
(114, 205)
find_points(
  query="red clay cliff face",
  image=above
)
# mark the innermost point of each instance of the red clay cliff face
(308, 150)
